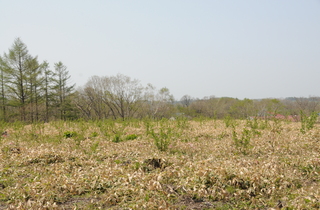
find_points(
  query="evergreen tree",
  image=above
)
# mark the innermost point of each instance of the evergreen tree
(47, 83)
(3, 89)
(62, 90)
(34, 78)
(17, 62)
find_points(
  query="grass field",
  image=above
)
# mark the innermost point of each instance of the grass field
(178, 164)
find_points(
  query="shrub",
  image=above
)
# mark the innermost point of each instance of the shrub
(94, 147)
(253, 123)
(147, 125)
(117, 138)
(94, 134)
(229, 121)
(162, 138)
(242, 142)
(131, 137)
(70, 134)
(307, 123)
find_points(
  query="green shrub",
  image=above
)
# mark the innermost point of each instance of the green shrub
(70, 134)
(94, 134)
(163, 137)
(131, 137)
(117, 138)
(242, 142)
(253, 123)
(276, 126)
(147, 125)
(94, 147)
(222, 135)
(229, 121)
(307, 123)
(182, 123)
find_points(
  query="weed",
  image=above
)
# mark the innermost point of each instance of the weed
(94, 147)
(94, 134)
(147, 125)
(117, 161)
(182, 123)
(276, 126)
(131, 137)
(242, 142)
(264, 124)
(70, 134)
(256, 132)
(230, 189)
(163, 137)
(136, 166)
(229, 121)
(222, 135)
(117, 138)
(307, 123)
(253, 123)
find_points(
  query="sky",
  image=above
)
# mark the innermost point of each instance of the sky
(241, 49)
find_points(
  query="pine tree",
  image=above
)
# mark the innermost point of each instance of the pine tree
(47, 86)
(3, 88)
(62, 90)
(17, 62)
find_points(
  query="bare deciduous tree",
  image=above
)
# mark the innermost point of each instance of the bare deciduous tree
(117, 95)
(307, 105)
(159, 102)
(122, 95)
(186, 100)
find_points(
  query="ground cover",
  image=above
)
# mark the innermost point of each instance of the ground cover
(168, 164)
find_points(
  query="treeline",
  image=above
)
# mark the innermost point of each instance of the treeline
(33, 91)
(219, 108)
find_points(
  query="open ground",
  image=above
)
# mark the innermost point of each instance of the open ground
(167, 164)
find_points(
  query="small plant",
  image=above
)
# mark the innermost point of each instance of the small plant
(118, 132)
(117, 138)
(276, 126)
(136, 166)
(163, 137)
(307, 123)
(256, 132)
(131, 137)
(242, 142)
(94, 134)
(222, 135)
(264, 124)
(117, 161)
(70, 134)
(182, 123)
(147, 125)
(229, 121)
(94, 147)
(253, 123)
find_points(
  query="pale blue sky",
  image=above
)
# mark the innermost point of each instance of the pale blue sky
(241, 49)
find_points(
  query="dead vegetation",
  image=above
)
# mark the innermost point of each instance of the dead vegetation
(203, 167)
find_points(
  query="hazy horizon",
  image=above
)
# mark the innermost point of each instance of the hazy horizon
(239, 49)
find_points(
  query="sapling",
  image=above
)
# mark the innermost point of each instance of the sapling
(307, 123)
(242, 142)
(163, 137)
(229, 121)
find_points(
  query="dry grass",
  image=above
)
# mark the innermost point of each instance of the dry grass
(201, 169)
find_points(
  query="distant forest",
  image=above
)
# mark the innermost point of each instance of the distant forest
(34, 91)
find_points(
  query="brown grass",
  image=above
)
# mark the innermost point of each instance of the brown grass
(202, 168)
